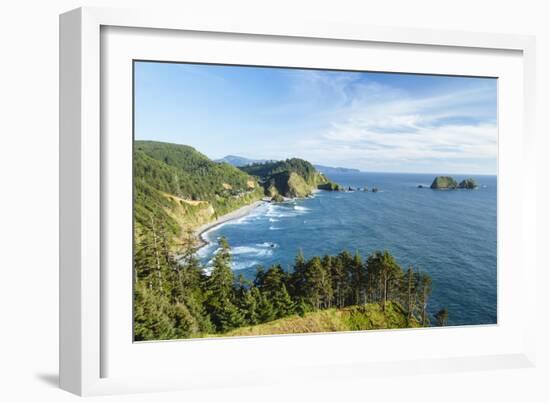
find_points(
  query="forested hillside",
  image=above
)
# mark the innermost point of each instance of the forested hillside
(177, 188)
(177, 299)
(290, 178)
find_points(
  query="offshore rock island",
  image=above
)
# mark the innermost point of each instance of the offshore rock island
(448, 182)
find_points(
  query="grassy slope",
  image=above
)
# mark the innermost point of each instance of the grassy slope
(366, 317)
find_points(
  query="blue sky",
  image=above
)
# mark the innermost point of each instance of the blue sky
(380, 122)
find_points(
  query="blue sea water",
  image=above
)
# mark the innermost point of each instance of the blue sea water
(449, 234)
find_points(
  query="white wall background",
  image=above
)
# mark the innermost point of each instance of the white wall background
(29, 200)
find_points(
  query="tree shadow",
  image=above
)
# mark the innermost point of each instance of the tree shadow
(49, 379)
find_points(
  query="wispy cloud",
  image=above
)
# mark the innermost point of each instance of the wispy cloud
(382, 127)
(370, 121)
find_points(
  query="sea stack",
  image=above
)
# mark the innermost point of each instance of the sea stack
(469, 183)
(444, 182)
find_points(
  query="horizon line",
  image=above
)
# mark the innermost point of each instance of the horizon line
(323, 164)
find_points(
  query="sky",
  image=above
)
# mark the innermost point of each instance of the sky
(380, 122)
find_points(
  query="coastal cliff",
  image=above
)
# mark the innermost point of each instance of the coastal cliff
(290, 178)
(177, 189)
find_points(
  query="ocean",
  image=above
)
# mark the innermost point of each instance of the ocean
(449, 234)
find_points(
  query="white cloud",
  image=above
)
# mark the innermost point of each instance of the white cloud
(373, 126)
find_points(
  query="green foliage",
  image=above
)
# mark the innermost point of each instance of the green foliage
(291, 178)
(175, 297)
(364, 317)
(182, 189)
(444, 182)
(299, 166)
(177, 300)
(469, 183)
(221, 293)
(331, 186)
(447, 182)
(441, 317)
(184, 172)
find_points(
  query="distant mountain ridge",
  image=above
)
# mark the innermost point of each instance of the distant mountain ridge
(239, 161)
(335, 170)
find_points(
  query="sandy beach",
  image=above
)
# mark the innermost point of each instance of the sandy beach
(236, 214)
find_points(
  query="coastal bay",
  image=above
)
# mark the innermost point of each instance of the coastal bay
(421, 226)
(234, 215)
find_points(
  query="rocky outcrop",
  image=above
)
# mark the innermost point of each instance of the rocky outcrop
(448, 182)
(444, 182)
(469, 183)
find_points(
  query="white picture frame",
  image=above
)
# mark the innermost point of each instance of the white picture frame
(88, 332)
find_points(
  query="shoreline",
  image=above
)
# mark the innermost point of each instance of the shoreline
(234, 215)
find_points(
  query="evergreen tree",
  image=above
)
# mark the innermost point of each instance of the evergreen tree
(339, 281)
(386, 272)
(266, 313)
(250, 305)
(357, 278)
(425, 288)
(441, 317)
(282, 303)
(297, 279)
(411, 293)
(151, 315)
(220, 292)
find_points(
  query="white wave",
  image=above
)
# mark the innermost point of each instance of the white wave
(207, 250)
(268, 245)
(251, 251)
(301, 208)
(273, 220)
(280, 212)
(272, 228)
(245, 264)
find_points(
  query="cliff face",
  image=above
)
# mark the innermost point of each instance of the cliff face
(290, 178)
(288, 184)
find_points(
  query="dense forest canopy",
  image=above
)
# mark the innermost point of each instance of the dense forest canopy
(183, 171)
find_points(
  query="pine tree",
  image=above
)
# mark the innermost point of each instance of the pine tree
(220, 292)
(441, 317)
(339, 282)
(228, 317)
(282, 303)
(411, 293)
(357, 278)
(249, 305)
(297, 279)
(425, 288)
(386, 272)
(266, 313)
(151, 315)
